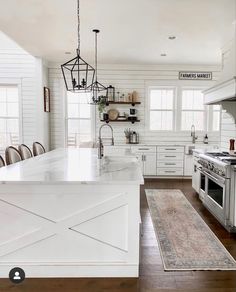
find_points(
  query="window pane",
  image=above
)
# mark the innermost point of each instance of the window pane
(216, 121)
(78, 97)
(190, 118)
(84, 111)
(73, 126)
(79, 129)
(161, 120)
(85, 126)
(13, 126)
(192, 99)
(12, 94)
(3, 109)
(161, 99)
(9, 108)
(3, 126)
(12, 109)
(3, 94)
(73, 110)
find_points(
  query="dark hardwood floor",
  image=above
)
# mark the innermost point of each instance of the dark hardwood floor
(152, 276)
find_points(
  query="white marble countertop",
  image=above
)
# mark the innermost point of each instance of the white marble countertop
(78, 166)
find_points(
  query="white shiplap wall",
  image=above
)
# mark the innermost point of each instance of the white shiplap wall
(125, 78)
(228, 130)
(17, 66)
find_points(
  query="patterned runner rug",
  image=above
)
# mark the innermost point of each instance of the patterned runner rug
(185, 240)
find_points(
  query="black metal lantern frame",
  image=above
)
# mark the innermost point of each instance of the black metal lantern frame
(77, 73)
(96, 87)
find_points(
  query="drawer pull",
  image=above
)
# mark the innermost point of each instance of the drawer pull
(143, 149)
(169, 171)
(171, 149)
(170, 156)
(170, 163)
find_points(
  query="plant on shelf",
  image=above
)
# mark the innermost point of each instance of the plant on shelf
(102, 104)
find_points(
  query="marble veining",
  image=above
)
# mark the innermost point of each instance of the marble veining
(79, 166)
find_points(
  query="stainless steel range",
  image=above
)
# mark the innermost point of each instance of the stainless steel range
(217, 186)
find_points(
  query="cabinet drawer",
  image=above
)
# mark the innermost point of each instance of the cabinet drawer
(170, 156)
(143, 149)
(170, 172)
(172, 149)
(169, 164)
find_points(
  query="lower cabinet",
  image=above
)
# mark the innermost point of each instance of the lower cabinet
(196, 175)
(149, 165)
(147, 158)
(170, 161)
(188, 165)
(161, 161)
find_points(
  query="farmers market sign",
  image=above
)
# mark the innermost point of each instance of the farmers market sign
(195, 75)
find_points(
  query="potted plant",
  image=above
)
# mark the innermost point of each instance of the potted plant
(101, 106)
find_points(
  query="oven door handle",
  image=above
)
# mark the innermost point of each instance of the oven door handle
(221, 180)
(211, 176)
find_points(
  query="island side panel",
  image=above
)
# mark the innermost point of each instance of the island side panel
(74, 230)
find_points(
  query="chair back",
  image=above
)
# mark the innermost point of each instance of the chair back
(38, 149)
(25, 152)
(12, 155)
(2, 162)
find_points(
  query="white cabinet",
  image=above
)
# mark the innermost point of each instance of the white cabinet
(196, 176)
(150, 163)
(188, 165)
(170, 160)
(147, 158)
(140, 160)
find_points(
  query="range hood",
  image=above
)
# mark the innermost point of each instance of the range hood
(223, 93)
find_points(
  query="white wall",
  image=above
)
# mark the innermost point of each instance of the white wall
(228, 130)
(125, 78)
(19, 67)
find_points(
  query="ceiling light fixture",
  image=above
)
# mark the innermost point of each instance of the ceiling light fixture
(96, 87)
(77, 73)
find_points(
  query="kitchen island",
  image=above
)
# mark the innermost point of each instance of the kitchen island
(67, 214)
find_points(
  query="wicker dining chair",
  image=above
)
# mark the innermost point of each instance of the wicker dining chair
(2, 162)
(12, 155)
(38, 149)
(25, 152)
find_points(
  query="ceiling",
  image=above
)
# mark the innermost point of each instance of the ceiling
(132, 31)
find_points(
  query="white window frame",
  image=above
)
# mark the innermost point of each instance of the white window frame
(15, 82)
(148, 110)
(178, 85)
(93, 126)
(210, 115)
(205, 110)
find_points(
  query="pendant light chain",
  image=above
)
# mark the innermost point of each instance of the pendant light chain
(96, 56)
(77, 73)
(78, 11)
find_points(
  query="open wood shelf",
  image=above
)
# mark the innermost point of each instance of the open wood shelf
(123, 102)
(121, 121)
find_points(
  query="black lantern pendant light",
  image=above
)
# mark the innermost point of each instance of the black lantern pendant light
(97, 87)
(78, 74)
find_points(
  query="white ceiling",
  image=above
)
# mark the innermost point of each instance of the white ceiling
(132, 31)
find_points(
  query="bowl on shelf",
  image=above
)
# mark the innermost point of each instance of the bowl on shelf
(113, 114)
